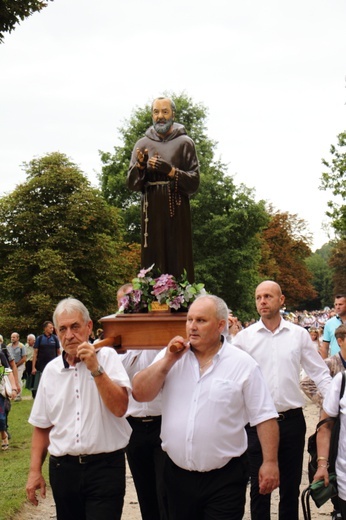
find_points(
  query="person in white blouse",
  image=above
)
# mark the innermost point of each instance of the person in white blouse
(281, 348)
(79, 418)
(209, 391)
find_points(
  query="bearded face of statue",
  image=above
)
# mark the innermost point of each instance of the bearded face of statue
(163, 116)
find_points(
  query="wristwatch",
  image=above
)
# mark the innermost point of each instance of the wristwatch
(98, 372)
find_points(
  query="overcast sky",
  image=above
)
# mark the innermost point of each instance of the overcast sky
(271, 74)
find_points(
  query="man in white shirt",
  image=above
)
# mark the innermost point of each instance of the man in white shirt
(78, 416)
(281, 348)
(209, 393)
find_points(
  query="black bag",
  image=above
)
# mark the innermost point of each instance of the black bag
(317, 490)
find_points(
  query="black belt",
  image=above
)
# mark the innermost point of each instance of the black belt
(147, 418)
(294, 412)
(85, 459)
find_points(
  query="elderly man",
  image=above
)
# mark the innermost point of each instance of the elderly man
(164, 168)
(209, 392)
(281, 348)
(78, 415)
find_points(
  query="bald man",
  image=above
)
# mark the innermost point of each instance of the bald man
(281, 348)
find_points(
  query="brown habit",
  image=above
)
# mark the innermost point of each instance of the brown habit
(167, 236)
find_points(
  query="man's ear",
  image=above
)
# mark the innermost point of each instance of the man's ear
(222, 325)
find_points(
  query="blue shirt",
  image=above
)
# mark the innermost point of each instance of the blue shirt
(329, 334)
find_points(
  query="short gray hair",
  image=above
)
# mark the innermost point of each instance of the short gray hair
(220, 306)
(70, 305)
(32, 336)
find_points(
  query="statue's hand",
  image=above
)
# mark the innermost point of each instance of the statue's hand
(142, 158)
(157, 163)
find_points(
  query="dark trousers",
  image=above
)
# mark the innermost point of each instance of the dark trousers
(212, 495)
(90, 489)
(341, 506)
(291, 451)
(146, 461)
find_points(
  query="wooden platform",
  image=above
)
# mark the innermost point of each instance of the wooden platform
(144, 331)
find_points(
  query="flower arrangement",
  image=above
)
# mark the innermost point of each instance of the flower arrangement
(177, 294)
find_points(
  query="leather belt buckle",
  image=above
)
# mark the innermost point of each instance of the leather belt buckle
(281, 417)
(82, 459)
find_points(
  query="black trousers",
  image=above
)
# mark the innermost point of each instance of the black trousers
(146, 460)
(88, 488)
(341, 507)
(291, 450)
(212, 495)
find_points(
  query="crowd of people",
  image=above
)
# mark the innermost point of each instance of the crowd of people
(26, 363)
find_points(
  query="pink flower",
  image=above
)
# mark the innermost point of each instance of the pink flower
(143, 272)
(163, 284)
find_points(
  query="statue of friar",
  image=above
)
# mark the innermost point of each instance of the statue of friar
(164, 168)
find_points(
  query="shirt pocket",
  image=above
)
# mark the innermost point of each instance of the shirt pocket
(222, 390)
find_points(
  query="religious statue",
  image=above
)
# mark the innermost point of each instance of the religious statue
(164, 168)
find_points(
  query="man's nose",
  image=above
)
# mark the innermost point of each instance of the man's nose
(69, 333)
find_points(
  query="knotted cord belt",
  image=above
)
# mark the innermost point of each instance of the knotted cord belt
(176, 200)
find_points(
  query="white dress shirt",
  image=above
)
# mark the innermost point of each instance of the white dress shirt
(281, 354)
(68, 400)
(134, 361)
(203, 417)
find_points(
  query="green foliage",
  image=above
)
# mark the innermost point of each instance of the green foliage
(338, 265)
(335, 180)
(14, 11)
(58, 237)
(321, 272)
(226, 224)
(226, 219)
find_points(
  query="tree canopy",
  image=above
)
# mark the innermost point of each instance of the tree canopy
(285, 247)
(321, 272)
(58, 237)
(13, 12)
(335, 180)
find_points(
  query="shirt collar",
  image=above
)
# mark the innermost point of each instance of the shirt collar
(283, 325)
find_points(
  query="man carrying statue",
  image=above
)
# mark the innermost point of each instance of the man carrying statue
(164, 168)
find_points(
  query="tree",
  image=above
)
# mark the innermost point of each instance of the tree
(58, 237)
(335, 180)
(338, 264)
(286, 245)
(226, 220)
(14, 11)
(321, 272)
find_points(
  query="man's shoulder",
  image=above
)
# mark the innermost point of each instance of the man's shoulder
(329, 328)
(334, 321)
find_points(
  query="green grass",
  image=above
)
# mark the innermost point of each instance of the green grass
(14, 463)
